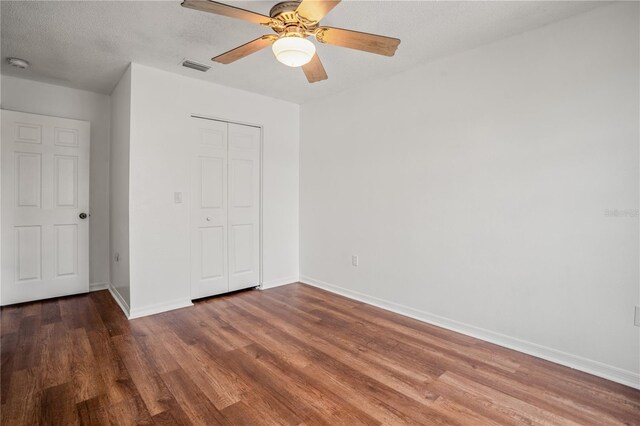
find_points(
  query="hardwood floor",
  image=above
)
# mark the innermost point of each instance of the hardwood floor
(289, 355)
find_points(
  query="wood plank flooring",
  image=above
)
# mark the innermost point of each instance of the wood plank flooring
(290, 355)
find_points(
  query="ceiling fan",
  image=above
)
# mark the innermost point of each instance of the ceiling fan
(293, 22)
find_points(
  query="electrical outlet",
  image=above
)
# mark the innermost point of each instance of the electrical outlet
(636, 320)
(354, 260)
(177, 197)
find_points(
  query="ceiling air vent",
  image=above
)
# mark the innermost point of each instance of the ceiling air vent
(195, 66)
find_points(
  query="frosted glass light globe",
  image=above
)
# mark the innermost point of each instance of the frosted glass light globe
(293, 51)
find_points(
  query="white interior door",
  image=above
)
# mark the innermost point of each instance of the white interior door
(244, 206)
(45, 188)
(209, 233)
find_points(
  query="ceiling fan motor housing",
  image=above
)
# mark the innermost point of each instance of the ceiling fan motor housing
(288, 23)
(284, 7)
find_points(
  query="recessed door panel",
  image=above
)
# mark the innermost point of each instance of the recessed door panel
(27, 133)
(66, 246)
(242, 246)
(212, 252)
(28, 253)
(244, 139)
(28, 178)
(211, 181)
(241, 183)
(213, 138)
(45, 187)
(66, 180)
(65, 137)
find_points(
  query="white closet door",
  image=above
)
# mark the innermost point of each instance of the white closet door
(209, 243)
(45, 200)
(244, 206)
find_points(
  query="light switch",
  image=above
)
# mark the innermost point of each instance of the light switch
(177, 197)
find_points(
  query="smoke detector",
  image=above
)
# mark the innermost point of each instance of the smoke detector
(18, 63)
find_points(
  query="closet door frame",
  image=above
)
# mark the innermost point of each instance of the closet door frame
(260, 198)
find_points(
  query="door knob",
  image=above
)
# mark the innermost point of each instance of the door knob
(83, 215)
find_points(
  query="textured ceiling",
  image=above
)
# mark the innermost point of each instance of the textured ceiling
(87, 45)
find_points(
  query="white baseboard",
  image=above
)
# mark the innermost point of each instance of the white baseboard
(159, 308)
(146, 310)
(596, 368)
(277, 283)
(98, 286)
(119, 300)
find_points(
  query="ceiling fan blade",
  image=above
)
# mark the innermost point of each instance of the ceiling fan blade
(372, 43)
(226, 10)
(246, 49)
(315, 10)
(314, 70)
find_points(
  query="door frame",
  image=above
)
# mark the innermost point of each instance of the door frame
(260, 209)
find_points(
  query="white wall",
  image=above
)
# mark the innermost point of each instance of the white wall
(474, 191)
(119, 189)
(159, 229)
(47, 99)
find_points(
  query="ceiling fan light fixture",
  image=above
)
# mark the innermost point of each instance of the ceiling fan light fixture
(293, 51)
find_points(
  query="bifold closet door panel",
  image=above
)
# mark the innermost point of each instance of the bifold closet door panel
(209, 230)
(244, 206)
